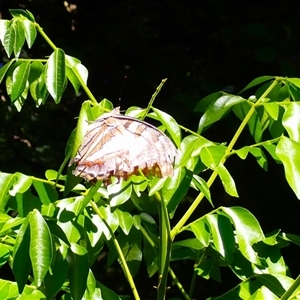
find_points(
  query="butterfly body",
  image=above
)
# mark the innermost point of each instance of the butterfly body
(119, 146)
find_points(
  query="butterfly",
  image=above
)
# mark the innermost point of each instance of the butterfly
(118, 145)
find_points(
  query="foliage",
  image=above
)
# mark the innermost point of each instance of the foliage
(54, 228)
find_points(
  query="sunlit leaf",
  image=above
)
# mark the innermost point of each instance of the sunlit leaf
(248, 231)
(56, 74)
(40, 247)
(288, 152)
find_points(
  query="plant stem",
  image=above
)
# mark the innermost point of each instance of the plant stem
(164, 246)
(158, 89)
(287, 295)
(180, 287)
(120, 253)
(213, 176)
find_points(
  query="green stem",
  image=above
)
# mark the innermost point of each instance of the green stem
(213, 176)
(287, 295)
(119, 250)
(158, 89)
(164, 247)
(179, 285)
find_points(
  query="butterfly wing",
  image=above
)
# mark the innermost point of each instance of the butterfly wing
(116, 145)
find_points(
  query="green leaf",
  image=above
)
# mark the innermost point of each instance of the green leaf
(4, 69)
(273, 109)
(19, 80)
(222, 235)
(156, 184)
(40, 247)
(78, 270)
(19, 13)
(125, 220)
(201, 184)
(107, 293)
(176, 187)
(37, 84)
(288, 152)
(271, 148)
(119, 193)
(217, 109)
(92, 291)
(260, 157)
(30, 32)
(190, 148)
(9, 40)
(111, 218)
(248, 231)
(211, 156)
(254, 122)
(4, 24)
(8, 289)
(243, 152)
(56, 74)
(227, 181)
(46, 193)
(257, 81)
(6, 182)
(21, 260)
(291, 120)
(59, 269)
(170, 124)
(207, 101)
(22, 185)
(19, 37)
(131, 248)
(201, 231)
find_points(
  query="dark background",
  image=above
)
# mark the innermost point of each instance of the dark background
(201, 47)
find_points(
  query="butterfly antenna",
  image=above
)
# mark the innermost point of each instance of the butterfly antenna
(121, 90)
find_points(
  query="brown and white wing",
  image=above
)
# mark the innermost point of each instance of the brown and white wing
(117, 145)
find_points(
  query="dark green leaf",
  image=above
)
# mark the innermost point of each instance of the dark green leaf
(78, 270)
(260, 157)
(207, 101)
(57, 277)
(46, 192)
(21, 259)
(257, 81)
